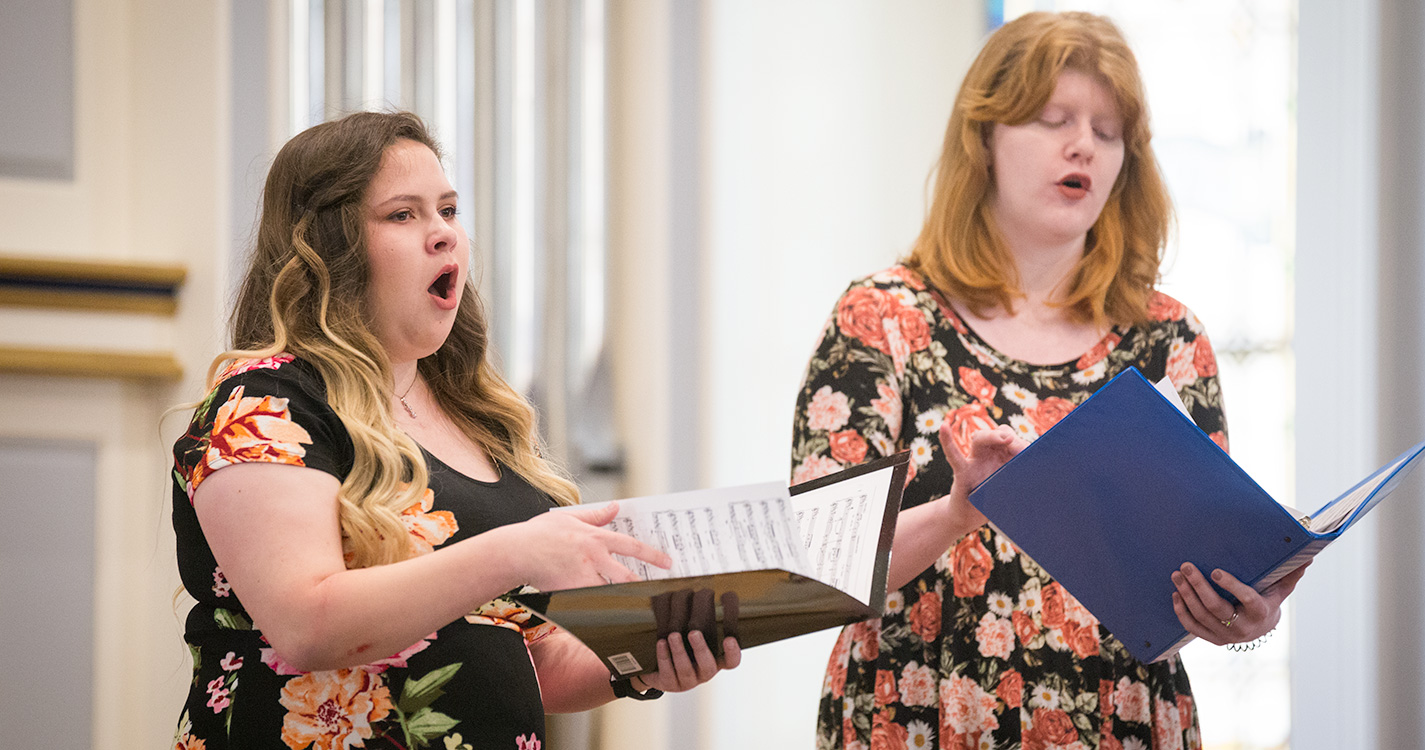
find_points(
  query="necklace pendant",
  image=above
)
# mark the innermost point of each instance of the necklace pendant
(409, 410)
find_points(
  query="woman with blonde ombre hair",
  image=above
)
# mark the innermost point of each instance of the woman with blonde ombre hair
(1033, 282)
(361, 493)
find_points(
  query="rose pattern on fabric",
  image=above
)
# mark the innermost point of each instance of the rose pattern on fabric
(983, 649)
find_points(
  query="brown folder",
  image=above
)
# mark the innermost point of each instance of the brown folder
(622, 622)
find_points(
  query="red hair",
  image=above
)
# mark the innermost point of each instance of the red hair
(960, 249)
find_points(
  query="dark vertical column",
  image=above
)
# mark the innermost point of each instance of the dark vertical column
(1401, 310)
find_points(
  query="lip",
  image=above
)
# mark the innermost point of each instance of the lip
(1075, 185)
(450, 298)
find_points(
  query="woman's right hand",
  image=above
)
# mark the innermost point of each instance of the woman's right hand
(989, 450)
(925, 532)
(572, 549)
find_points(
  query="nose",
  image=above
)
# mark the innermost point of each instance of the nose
(443, 235)
(1081, 144)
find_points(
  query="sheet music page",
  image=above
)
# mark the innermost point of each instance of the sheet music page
(840, 527)
(1170, 392)
(713, 531)
(1335, 513)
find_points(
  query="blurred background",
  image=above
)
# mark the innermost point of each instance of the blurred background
(665, 199)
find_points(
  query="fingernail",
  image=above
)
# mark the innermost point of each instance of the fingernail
(1177, 577)
(1217, 575)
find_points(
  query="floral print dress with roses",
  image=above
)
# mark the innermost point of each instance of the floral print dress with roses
(469, 685)
(984, 650)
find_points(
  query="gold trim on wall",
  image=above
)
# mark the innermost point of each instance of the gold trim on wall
(70, 299)
(148, 274)
(89, 363)
(90, 285)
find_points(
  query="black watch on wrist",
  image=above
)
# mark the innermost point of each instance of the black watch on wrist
(623, 688)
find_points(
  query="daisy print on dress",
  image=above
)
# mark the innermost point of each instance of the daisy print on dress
(1034, 631)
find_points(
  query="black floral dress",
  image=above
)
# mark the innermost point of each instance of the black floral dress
(469, 685)
(984, 649)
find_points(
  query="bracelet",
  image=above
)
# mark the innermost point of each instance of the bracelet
(1243, 648)
(623, 688)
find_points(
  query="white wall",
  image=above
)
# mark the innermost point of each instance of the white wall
(822, 121)
(763, 155)
(1357, 666)
(1334, 666)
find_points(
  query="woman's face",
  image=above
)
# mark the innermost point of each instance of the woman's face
(1052, 175)
(418, 252)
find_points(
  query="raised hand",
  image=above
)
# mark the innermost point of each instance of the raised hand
(989, 450)
(924, 532)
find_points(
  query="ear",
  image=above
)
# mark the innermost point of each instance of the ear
(987, 142)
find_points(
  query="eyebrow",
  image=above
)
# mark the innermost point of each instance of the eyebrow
(416, 198)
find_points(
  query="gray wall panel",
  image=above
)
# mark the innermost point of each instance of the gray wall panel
(46, 593)
(37, 89)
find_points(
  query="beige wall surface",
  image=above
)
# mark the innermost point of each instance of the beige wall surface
(149, 182)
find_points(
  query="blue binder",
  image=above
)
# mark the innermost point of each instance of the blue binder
(1125, 488)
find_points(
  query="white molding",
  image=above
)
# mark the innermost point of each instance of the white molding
(1334, 659)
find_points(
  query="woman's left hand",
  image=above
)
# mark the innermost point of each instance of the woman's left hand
(1216, 620)
(686, 662)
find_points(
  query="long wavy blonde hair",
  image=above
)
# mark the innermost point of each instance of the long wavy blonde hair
(961, 251)
(303, 294)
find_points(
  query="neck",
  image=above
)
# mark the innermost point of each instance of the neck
(402, 376)
(1045, 269)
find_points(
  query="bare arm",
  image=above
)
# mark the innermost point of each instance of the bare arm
(925, 532)
(274, 530)
(572, 678)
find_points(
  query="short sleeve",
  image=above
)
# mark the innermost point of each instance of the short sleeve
(850, 404)
(1187, 359)
(272, 410)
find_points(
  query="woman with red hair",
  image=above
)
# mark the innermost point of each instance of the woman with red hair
(1032, 284)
